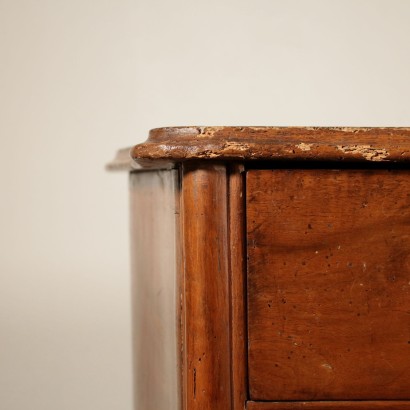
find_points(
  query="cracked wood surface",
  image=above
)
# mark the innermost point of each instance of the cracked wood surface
(176, 144)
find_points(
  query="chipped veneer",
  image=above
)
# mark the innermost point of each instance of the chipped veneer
(177, 144)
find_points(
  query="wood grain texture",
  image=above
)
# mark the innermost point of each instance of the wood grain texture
(275, 143)
(206, 304)
(339, 405)
(237, 274)
(329, 284)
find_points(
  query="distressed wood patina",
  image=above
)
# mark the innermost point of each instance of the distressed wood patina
(271, 268)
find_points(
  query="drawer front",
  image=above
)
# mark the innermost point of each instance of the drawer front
(328, 285)
(330, 405)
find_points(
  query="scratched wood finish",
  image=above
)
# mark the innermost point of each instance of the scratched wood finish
(177, 144)
(328, 285)
(339, 405)
(237, 274)
(206, 297)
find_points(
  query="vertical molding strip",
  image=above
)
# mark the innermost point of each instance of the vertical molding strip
(207, 349)
(237, 273)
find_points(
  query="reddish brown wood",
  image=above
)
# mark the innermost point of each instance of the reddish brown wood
(339, 405)
(275, 143)
(331, 324)
(237, 274)
(207, 346)
(329, 284)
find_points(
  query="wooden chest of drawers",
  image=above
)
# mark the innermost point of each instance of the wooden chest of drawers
(271, 268)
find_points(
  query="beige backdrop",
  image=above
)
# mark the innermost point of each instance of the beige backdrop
(81, 78)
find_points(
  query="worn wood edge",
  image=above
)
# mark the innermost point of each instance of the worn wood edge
(206, 361)
(365, 144)
(330, 405)
(237, 274)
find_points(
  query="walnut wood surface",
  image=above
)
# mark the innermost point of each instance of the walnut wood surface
(275, 143)
(206, 297)
(237, 274)
(340, 405)
(328, 285)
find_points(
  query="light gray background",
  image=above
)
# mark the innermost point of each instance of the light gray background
(81, 78)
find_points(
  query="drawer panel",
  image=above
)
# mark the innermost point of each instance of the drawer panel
(328, 285)
(330, 405)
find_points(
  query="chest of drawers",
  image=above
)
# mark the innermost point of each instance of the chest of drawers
(271, 268)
